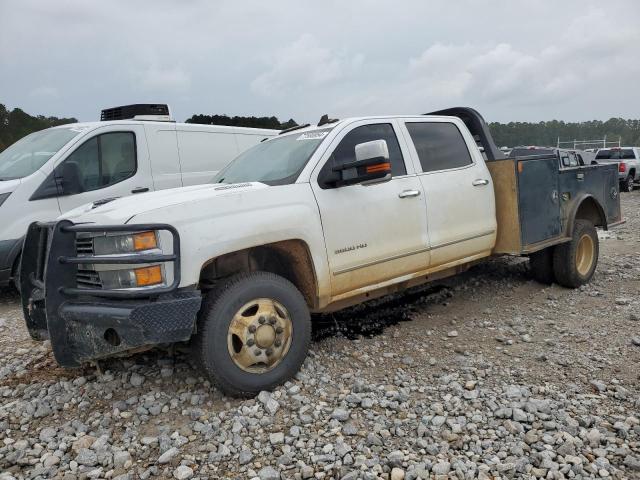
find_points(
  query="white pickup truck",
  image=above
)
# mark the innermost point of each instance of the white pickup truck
(313, 220)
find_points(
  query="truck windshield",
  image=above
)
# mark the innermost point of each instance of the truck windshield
(274, 162)
(30, 153)
(615, 154)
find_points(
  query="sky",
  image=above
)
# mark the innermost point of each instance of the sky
(517, 60)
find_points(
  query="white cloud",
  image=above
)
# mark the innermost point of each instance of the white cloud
(581, 65)
(304, 64)
(44, 92)
(171, 78)
(517, 60)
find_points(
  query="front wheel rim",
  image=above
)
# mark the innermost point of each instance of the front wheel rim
(259, 335)
(585, 253)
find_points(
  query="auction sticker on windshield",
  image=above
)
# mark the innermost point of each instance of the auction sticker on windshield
(313, 135)
(79, 129)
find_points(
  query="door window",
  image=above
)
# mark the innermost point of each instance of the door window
(105, 160)
(440, 146)
(345, 152)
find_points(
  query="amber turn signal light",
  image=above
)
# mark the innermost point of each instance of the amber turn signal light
(380, 167)
(148, 276)
(145, 241)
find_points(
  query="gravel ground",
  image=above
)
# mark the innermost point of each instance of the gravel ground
(486, 375)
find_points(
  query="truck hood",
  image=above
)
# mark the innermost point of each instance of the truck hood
(121, 210)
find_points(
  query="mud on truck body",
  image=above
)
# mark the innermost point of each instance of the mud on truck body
(314, 220)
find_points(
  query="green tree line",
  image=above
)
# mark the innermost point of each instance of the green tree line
(15, 124)
(546, 133)
(253, 122)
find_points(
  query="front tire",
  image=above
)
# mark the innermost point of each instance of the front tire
(253, 334)
(575, 262)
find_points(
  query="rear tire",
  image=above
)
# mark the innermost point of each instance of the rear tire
(575, 262)
(627, 184)
(253, 334)
(541, 264)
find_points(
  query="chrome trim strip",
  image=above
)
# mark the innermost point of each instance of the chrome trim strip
(375, 262)
(446, 244)
(415, 252)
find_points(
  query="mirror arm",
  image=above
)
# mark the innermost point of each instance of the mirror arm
(360, 163)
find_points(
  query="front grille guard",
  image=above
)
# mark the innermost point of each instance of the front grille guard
(56, 309)
(57, 266)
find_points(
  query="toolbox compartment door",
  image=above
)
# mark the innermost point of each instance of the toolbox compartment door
(539, 202)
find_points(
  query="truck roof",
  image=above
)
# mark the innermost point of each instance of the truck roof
(471, 118)
(188, 126)
(614, 148)
(347, 120)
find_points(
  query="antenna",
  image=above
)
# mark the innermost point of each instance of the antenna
(324, 119)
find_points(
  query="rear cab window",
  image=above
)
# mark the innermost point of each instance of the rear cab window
(616, 154)
(440, 146)
(568, 159)
(531, 151)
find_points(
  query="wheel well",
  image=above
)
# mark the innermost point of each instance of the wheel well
(289, 258)
(632, 173)
(15, 266)
(591, 210)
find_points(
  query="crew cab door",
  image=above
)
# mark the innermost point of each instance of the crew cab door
(457, 187)
(373, 233)
(112, 163)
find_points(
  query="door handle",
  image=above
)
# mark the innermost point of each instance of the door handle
(140, 190)
(409, 193)
(479, 182)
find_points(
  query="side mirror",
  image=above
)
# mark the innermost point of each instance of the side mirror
(371, 165)
(70, 178)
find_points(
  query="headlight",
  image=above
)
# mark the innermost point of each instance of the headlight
(119, 244)
(132, 278)
(127, 244)
(3, 197)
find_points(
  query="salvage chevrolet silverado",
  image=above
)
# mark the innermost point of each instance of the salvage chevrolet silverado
(313, 220)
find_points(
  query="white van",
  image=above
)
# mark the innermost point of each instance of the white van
(133, 149)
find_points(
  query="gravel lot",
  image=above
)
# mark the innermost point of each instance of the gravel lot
(486, 375)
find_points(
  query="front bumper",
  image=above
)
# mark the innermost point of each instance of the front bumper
(88, 324)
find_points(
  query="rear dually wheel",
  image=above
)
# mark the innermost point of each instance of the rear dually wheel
(575, 262)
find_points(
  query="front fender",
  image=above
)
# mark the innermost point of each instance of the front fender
(214, 227)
